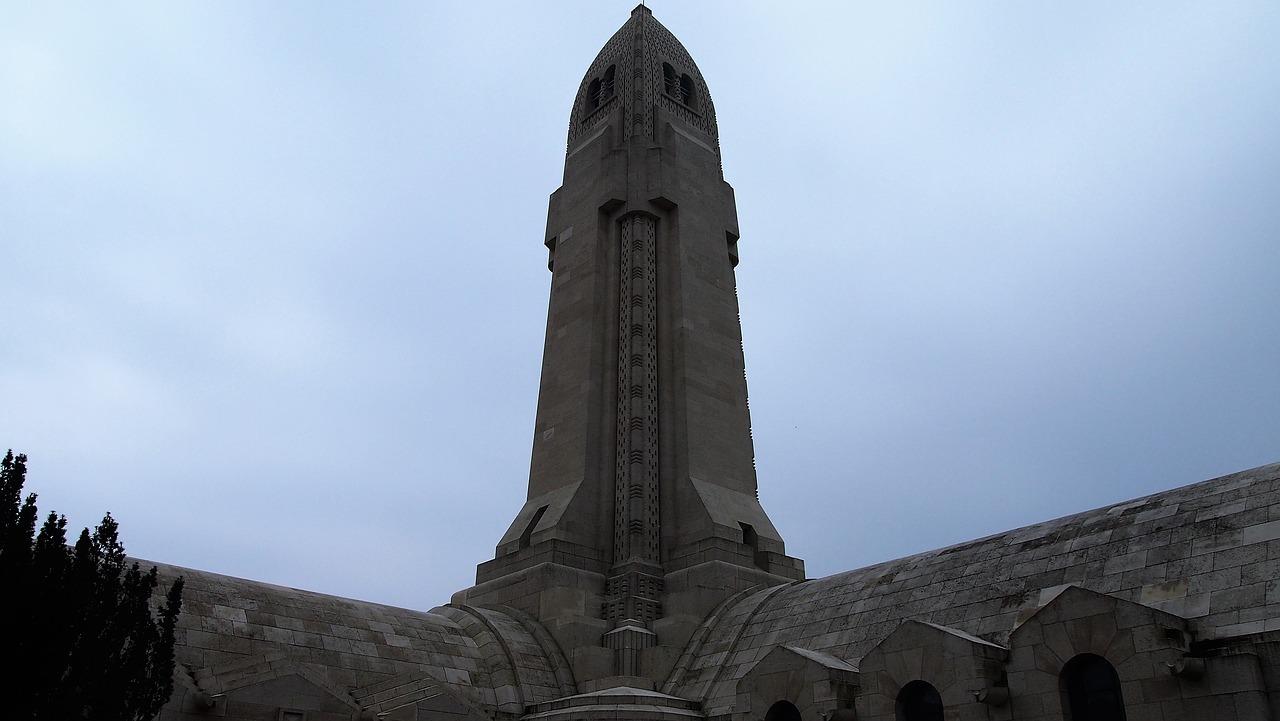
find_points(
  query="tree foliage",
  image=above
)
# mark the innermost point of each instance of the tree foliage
(82, 639)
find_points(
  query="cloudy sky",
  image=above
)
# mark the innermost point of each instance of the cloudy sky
(274, 287)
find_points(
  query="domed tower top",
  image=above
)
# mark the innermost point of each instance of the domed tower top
(643, 67)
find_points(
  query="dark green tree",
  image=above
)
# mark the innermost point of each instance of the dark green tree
(84, 639)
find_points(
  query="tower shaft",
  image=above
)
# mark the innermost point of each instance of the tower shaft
(642, 512)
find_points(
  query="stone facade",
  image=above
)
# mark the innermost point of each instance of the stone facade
(1182, 579)
(1177, 591)
(642, 514)
(643, 580)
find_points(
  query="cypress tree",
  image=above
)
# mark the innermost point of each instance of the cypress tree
(84, 640)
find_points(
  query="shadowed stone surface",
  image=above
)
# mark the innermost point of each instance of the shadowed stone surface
(1205, 555)
(235, 635)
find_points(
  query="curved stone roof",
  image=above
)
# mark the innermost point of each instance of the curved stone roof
(234, 632)
(637, 51)
(1208, 552)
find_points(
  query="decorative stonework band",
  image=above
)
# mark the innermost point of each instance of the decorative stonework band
(636, 460)
(631, 593)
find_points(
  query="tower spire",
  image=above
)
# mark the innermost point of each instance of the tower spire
(642, 512)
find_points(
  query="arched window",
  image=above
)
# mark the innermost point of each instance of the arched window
(600, 89)
(919, 701)
(678, 85)
(606, 84)
(1091, 690)
(593, 94)
(782, 711)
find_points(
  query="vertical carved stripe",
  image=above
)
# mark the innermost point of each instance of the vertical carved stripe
(636, 503)
(650, 307)
(622, 455)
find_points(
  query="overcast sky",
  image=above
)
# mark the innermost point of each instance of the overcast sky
(274, 288)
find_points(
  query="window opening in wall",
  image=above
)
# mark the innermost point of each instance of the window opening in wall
(686, 90)
(606, 85)
(287, 715)
(1092, 690)
(677, 85)
(527, 536)
(749, 537)
(782, 711)
(593, 94)
(918, 701)
(600, 89)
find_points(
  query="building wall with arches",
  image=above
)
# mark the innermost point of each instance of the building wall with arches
(1145, 659)
(643, 580)
(953, 663)
(1178, 591)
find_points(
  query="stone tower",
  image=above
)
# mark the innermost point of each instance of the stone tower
(642, 513)
(623, 589)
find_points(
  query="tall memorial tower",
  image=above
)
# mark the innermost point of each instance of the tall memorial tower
(642, 580)
(642, 513)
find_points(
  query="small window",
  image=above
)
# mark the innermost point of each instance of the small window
(678, 85)
(600, 89)
(1091, 689)
(918, 701)
(686, 90)
(291, 715)
(593, 94)
(606, 85)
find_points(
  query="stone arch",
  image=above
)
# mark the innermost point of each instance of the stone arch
(961, 669)
(790, 684)
(918, 701)
(606, 83)
(519, 663)
(1091, 690)
(782, 710)
(1078, 628)
(687, 94)
(680, 86)
(600, 89)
